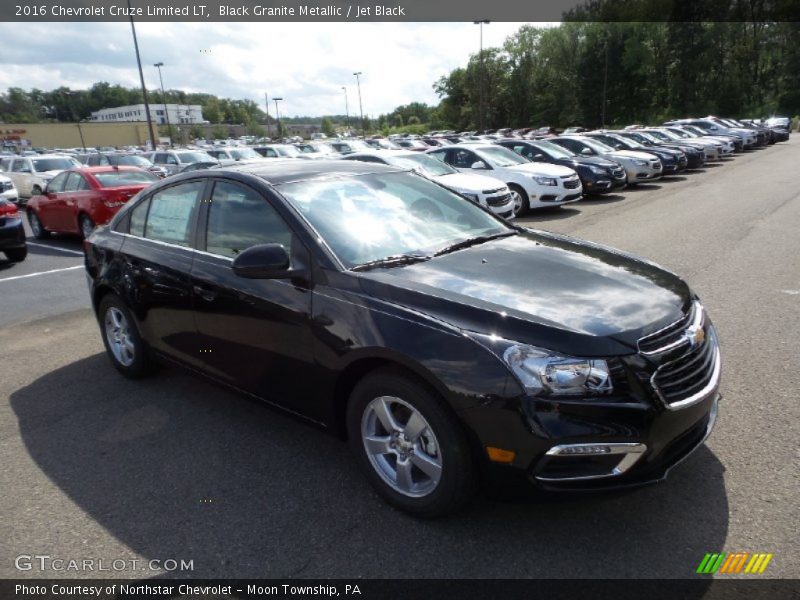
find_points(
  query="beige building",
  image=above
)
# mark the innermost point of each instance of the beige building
(68, 135)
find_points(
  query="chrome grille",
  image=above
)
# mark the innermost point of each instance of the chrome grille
(672, 336)
(690, 377)
(498, 200)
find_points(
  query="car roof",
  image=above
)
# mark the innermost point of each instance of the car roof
(277, 172)
(104, 169)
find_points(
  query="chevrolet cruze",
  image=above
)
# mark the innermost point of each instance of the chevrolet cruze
(449, 347)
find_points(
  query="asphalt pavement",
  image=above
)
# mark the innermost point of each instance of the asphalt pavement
(172, 467)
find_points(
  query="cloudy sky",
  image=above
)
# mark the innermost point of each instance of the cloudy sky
(305, 63)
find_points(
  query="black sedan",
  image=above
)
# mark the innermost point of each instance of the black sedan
(674, 161)
(597, 175)
(446, 345)
(12, 232)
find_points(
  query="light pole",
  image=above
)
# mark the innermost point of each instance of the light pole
(346, 108)
(278, 115)
(158, 66)
(75, 116)
(480, 85)
(266, 105)
(360, 107)
(141, 80)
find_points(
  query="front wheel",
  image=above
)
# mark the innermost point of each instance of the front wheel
(411, 449)
(16, 254)
(124, 345)
(520, 197)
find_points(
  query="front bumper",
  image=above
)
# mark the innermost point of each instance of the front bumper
(12, 233)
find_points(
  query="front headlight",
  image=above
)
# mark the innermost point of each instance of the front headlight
(544, 180)
(597, 170)
(543, 372)
(640, 163)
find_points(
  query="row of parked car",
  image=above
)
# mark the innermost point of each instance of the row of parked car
(509, 175)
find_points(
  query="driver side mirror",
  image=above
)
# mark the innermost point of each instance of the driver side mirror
(587, 152)
(264, 261)
(479, 165)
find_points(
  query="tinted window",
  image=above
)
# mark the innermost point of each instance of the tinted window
(19, 166)
(171, 213)
(138, 218)
(463, 159)
(57, 184)
(54, 164)
(239, 217)
(160, 158)
(120, 178)
(73, 182)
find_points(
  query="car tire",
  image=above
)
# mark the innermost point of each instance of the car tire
(39, 232)
(16, 254)
(124, 345)
(85, 226)
(423, 466)
(521, 203)
(36, 191)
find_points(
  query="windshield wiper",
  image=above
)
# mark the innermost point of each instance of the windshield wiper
(395, 260)
(473, 242)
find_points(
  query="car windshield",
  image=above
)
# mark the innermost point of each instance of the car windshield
(639, 137)
(130, 161)
(554, 150)
(286, 150)
(386, 144)
(678, 132)
(193, 157)
(421, 162)
(244, 153)
(323, 148)
(660, 135)
(501, 157)
(54, 164)
(381, 215)
(628, 143)
(596, 145)
(109, 179)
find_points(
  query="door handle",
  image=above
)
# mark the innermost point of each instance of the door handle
(205, 293)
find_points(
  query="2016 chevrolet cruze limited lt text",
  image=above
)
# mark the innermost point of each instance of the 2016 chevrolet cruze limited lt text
(448, 346)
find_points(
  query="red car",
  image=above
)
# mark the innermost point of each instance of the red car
(78, 200)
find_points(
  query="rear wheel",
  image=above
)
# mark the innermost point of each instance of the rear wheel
(39, 232)
(124, 345)
(37, 191)
(521, 203)
(411, 449)
(16, 254)
(86, 226)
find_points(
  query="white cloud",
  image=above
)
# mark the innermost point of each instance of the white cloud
(305, 63)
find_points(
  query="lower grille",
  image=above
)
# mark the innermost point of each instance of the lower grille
(6, 185)
(572, 184)
(498, 200)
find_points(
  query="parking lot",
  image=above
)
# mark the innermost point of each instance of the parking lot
(96, 466)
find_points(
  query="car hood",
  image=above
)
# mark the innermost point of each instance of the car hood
(630, 154)
(541, 289)
(546, 169)
(589, 161)
(470, 183)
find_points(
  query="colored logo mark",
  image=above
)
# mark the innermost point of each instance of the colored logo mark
(733, 563)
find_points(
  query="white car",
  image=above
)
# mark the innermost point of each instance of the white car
(532, 185)
(692, 133)
(640, 166)
(31, 174)
(486, 191)
(712, 149)
(8, 190)
(234, 154)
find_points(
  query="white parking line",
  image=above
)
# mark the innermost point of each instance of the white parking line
(40, 273)
(67, 250)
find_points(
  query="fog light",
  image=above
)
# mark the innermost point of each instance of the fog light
(499, 455)
(585, 450)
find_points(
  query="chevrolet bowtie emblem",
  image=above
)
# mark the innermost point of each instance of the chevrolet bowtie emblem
(695, 336)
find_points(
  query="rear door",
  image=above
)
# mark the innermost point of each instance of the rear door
(157, 259)
(255, 334)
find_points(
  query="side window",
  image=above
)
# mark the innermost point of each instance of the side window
(439, 155)
(160, 158)
(138, 218)
(104, 161)
(73, 182)
(172, 212)
(570, 145)
(239, 217)
(271, 153)
(83, 185)
(463, 159)
(18, 166)
(171, 160)
(57, 184)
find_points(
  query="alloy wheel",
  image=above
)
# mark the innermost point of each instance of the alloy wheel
(401, 446)
(118, 335)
